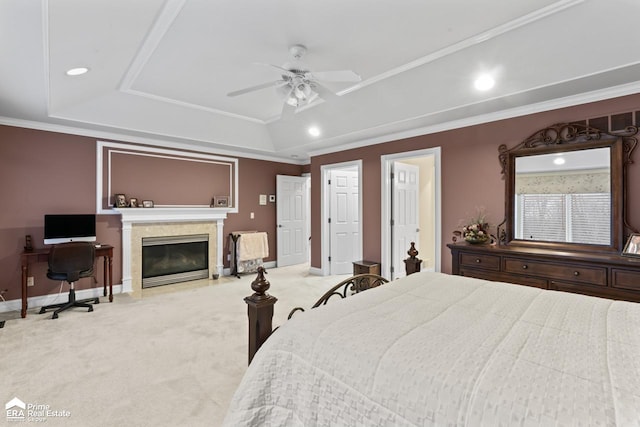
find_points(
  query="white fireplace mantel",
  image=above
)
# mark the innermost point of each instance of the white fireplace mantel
(130, 216)
(171, 214)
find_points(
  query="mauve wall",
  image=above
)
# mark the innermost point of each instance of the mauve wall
(257, 177)
(46, 172)
(171, 180)
(470, 172)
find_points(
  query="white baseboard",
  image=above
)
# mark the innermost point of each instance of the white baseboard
(39, 301)
(316, 271)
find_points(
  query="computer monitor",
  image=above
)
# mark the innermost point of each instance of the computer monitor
(62, 228)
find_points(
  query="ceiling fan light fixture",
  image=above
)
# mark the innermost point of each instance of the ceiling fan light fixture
(292, 100)
(302, 91)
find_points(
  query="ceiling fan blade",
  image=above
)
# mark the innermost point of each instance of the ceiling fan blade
(334, 76)
(277, 83)
(324, 92)
(277, 67)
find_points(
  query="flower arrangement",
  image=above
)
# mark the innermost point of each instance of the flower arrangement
(477, 228)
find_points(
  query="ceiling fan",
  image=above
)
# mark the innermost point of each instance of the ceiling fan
(298, 85)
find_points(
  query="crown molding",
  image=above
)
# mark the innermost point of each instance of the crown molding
(569, 101)
(121, 137)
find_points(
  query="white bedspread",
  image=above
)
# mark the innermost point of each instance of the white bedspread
(434, 349)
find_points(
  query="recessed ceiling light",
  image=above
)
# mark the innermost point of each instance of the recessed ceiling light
(314, 131)
(484, 82)
(77, 71)
(559, 160)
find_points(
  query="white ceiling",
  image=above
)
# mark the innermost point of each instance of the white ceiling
(160, 70)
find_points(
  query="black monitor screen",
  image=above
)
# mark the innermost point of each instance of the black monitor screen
(69, 228)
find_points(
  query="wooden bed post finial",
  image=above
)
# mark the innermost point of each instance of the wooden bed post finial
(261, 285)
(260, 312)
(412, 264)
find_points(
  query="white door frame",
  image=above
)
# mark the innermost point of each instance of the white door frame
(325, 270)
(385, 204)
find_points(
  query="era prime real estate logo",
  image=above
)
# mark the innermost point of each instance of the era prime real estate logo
(17, 410)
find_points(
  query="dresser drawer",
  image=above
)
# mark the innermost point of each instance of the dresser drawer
(574, 273)
(594, 291)
(536, 282)
(625, 279)
(488, 262)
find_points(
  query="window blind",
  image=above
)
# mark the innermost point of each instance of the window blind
(591, 218)
(576, 218)
(543, 217)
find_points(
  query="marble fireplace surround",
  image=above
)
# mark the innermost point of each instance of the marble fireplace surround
(138, 223)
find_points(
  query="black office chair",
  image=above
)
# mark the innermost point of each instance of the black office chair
(70, 262)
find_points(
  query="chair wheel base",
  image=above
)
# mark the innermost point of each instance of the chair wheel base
(88, 304)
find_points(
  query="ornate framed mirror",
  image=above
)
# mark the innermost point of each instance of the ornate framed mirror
(565, 189)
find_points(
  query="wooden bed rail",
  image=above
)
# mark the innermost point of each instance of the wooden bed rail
(260, 304)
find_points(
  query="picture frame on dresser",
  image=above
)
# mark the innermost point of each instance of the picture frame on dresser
(632, 247)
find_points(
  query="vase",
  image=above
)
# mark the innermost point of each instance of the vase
(476, 239)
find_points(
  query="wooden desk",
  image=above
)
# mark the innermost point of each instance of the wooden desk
(42, 255)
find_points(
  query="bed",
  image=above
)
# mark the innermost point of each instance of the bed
(436, 349)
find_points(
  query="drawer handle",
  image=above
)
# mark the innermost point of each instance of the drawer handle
(478, 260)
(525, 266)
(576, 273)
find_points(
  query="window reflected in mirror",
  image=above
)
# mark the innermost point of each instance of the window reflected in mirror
(564, 197)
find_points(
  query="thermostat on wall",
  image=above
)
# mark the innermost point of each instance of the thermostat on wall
(272, 198)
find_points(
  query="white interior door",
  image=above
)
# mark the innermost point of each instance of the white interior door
(292, 220)
(346, 242)
(405, 213)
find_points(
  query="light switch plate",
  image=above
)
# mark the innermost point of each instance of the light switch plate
(263, 199)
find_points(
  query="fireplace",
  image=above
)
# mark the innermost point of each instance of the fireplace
(174, 259)
(139, 224)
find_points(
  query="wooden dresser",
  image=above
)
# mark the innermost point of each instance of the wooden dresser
(603, 275)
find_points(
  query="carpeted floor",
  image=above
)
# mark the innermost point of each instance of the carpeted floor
(167, 359)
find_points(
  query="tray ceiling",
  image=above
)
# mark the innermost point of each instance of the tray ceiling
(160, 71)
